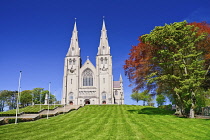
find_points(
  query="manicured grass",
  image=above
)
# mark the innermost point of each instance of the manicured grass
(105, 122)
(28, 109)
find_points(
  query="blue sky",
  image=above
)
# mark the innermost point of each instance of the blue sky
(35, 34)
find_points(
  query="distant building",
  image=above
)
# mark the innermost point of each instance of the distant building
(89, 84)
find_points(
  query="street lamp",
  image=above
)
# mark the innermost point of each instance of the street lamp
(40, 99)
(48, 101)
(54, 98)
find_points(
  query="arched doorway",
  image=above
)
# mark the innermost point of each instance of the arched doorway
(87, 101)
(71, 103)
(104, 102)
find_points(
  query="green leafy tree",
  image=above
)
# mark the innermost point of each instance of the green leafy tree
(12, 99)
(52, 98)
(26, 98)
(179, 62)
(36, 93)
(8, 98)
(145, 97)
(173, 59)
(202, 100)
(135, 96)
(160, 99)
(3, 99)
(40, 93)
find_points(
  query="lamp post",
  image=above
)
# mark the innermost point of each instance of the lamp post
(48, 101)
(64, 106)
(32, 101)
(40, 99)
(19, 98)
(17, 108)
(54, 98)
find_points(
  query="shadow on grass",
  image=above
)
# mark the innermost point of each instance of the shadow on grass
(151, 111)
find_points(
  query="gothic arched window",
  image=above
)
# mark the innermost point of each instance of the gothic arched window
(74, 60)
(87, 78)
(70, 61)
(105, 60)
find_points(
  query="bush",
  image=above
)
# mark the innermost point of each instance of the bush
(166, 107)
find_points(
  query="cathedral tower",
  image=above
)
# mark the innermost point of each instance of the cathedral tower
(104, 69)
(71, 70)
(89, 84)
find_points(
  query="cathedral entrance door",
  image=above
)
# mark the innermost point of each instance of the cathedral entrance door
(71, 103)
(87, 101)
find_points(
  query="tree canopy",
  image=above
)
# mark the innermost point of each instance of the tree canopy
(174, 60)
(27, 97)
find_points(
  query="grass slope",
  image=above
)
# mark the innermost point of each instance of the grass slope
(105, 122)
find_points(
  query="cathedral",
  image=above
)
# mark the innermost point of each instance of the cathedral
(89, 84)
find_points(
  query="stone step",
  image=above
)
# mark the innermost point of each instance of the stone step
(65, 109)
(28, 116)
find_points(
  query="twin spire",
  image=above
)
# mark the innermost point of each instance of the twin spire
(103, 48)
(74, 49)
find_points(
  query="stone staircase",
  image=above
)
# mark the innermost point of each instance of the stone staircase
(60, 110)
(54, 112)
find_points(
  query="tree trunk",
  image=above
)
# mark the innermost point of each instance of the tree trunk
(192, 112)
(143, 102)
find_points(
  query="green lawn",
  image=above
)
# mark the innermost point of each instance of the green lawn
(29, 109)
(105, 122)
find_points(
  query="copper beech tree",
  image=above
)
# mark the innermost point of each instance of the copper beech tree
(174, 60)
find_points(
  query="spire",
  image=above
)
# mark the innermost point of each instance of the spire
(121, 80)
(74, 49)
(103, 45)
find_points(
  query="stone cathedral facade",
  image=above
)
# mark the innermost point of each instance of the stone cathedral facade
(89, 84)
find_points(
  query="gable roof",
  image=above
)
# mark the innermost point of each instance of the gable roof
(116, 84)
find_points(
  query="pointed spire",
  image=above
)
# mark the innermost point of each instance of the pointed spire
(103, 45)
(74, 49)
(121, 80)
(75, 26)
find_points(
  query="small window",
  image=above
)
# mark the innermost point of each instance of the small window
(104, 80)
(105, 60)
(104, 96)
(101, 60)
(71, 96)
(70, 61)
(74, 61)
(71, 81)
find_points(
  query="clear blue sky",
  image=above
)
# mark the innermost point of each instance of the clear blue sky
(35, 34)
